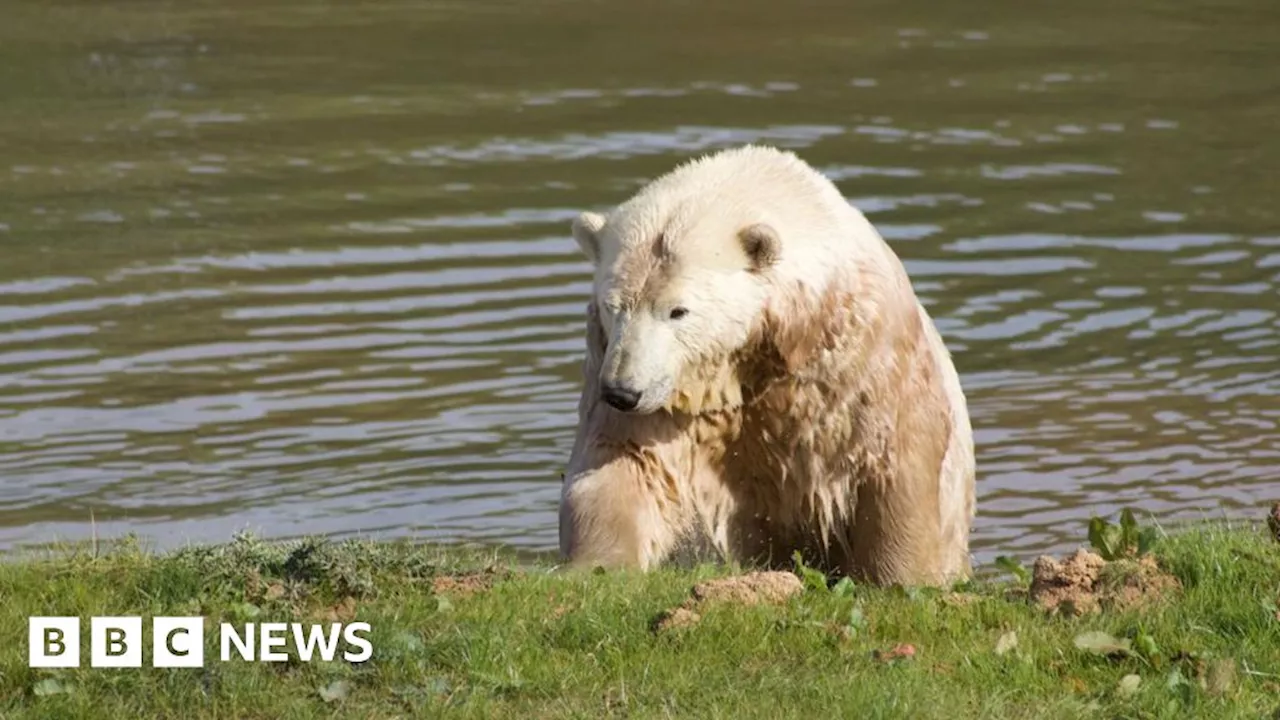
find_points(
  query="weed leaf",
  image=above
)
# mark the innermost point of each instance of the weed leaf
(856, 619)
(843, 588)
(245, 611)
(813, 579)
(49, 686)
(1101, 643)
(1014, 568)
(1145, 645)
(1128, 531)
(1105, 538)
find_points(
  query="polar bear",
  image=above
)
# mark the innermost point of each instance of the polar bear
(761, 379)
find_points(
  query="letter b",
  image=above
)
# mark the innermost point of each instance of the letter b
(53, 642)
(115, 642)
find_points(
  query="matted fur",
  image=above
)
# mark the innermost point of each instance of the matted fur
(833, 424)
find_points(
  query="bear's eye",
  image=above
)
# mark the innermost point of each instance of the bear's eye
(678, 313)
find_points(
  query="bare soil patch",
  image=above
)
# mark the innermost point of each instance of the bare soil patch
(1085, 583)
(750, 589)
(461, 585)
(468, 584)
(755, 588)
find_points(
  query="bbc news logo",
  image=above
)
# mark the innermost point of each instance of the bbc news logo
(177, 642)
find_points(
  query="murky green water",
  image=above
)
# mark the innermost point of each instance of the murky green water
(305, 266)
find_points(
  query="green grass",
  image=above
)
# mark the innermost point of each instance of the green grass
(545, 644)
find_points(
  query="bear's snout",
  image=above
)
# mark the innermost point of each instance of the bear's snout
(620, 398)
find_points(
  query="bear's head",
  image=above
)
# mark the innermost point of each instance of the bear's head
(679, 288)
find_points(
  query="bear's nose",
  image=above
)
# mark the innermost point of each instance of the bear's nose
(624, 399)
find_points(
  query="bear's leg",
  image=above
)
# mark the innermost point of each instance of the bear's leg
(895, 537)
(611, 516)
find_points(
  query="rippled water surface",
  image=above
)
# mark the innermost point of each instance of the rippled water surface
(305, 267)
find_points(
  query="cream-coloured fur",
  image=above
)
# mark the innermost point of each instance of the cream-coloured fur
(790, 392)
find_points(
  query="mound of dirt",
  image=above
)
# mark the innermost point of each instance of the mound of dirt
(1085, 583)
(676, 618)
(755, 588)
(342, 612)
(461, 585)
(750, 589)
(466, 585)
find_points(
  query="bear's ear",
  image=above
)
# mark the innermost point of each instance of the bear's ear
(586, 230)
(761, 243)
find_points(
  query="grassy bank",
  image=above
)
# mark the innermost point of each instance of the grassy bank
(472, 635)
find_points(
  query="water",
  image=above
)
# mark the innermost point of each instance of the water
(305, 267)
